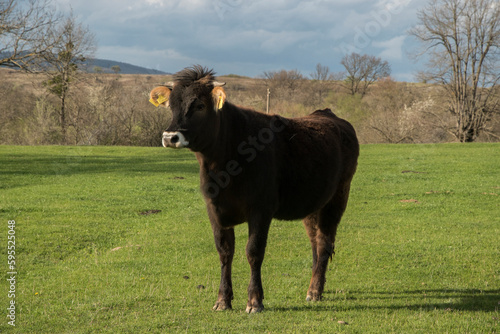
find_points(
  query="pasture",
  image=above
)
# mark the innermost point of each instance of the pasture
(117, 240)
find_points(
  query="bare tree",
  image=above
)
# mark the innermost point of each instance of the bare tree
(284, 79)
(461, 39)
(320, 77)
(73, 45)
(116, 69)
(322, 73)
(283, 83)
(24, 28)
(362, 71)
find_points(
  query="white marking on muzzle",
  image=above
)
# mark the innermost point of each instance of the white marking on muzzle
(174, 139)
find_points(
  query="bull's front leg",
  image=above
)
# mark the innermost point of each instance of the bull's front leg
(224, 242)
(257, 239)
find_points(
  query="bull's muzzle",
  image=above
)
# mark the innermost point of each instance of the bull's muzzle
(174, 139)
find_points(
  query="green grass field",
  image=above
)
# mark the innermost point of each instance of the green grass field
(418, 250)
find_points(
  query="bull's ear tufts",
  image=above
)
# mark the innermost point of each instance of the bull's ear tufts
(159, 96)
(219, 97)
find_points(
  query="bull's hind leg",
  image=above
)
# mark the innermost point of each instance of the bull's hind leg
(321, 227)
(322, 237)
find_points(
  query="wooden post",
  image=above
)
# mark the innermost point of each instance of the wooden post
(267, 104)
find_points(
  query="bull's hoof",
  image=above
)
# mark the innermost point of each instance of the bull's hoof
(254, 308)
(313, 297)
(222, 305)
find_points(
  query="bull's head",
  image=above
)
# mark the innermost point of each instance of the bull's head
(194, 98)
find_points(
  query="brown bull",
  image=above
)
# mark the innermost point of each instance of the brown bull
(255, 167)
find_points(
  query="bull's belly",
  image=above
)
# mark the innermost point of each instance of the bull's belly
(297, 212)
(301, 204)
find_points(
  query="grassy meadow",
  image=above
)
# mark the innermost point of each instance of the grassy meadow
(117, 240)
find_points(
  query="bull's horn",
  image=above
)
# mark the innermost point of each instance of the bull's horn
(218, 84)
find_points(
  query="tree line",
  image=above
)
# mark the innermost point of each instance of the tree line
(460, 99)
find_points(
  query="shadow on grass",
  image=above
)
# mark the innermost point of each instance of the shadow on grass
(414, 300)
(84, 161)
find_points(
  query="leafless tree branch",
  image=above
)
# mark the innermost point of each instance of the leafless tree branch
(24, 31)
(461, 39)
(362, 71)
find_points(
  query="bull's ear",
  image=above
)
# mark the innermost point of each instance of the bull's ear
(159, 96)
(219, 97)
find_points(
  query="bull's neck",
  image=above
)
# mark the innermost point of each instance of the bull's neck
(231, 128)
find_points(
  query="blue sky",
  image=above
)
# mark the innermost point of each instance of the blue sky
(252, 36)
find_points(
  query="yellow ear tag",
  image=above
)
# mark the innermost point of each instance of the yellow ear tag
(156, 104)
(162, 99)
(221, 102)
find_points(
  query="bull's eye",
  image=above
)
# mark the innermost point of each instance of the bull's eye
(195, 109)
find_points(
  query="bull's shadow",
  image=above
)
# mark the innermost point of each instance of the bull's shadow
(421, 299)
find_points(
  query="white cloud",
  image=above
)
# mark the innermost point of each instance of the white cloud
(392, 48)
(256, 34)
(275, 43)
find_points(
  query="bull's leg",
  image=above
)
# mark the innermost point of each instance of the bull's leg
(224, 242)
(322, 247)
(311, 225)
(322, 229)
(256, 247)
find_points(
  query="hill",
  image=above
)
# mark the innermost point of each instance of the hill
(113, 109)
(106, 66)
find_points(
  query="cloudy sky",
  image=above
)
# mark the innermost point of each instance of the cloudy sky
(248, 37)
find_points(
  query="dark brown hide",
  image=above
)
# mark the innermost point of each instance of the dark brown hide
(255, 167)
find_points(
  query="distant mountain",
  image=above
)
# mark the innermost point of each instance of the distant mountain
(105, 66)
(108, 66)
